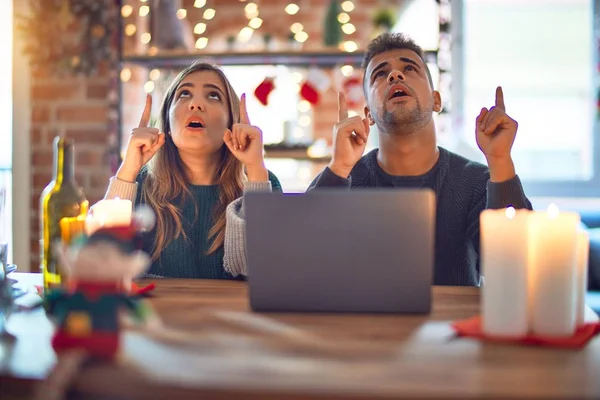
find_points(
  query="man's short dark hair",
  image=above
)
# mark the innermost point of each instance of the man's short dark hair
(392, 41)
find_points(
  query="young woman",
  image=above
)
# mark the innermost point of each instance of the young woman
(204, 155)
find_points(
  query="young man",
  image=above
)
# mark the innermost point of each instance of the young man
(400, 101)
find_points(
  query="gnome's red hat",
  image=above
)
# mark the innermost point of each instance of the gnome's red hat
(127, 238)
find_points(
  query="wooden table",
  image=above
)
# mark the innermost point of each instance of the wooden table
(211, 346)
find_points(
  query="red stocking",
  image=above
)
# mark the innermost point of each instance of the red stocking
(317, 82)
(263, 90)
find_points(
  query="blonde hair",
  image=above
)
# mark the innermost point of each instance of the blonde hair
(166, 182)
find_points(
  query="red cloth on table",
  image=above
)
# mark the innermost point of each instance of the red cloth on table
(471, 327)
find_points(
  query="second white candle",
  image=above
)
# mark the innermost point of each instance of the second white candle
(553, 271)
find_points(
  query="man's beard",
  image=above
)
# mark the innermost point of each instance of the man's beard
(402, 121)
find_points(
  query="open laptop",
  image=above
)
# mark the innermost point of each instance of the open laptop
(331, 250)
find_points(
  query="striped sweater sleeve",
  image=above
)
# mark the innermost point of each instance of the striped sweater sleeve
(234, 259)
(121, 189)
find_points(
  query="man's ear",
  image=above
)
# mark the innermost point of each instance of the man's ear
(368, 116)
(437, 101)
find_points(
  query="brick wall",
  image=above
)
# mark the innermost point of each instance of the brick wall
(83, 109)
(80, 109)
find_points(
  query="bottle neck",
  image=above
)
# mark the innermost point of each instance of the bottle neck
(64, 168)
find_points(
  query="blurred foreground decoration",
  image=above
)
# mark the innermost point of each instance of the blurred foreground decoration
(100, 269)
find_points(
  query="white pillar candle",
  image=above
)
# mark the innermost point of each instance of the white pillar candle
(553, 269)
(504, 260)
(583, 250)
(91, 225)
(108, 213)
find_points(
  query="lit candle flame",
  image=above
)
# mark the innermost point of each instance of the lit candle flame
(510, 212)
(553, 211)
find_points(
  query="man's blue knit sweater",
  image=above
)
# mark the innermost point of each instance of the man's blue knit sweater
(463, 190)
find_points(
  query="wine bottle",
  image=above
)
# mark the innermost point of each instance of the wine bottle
(61, 198)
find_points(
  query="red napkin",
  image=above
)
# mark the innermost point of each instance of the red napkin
(471, 327)
(135, 289)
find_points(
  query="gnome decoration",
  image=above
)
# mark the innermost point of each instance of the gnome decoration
(87, 309)
(317, 82)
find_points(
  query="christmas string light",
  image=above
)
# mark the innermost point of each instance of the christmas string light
(347, 70)
(343, 18)
(255, 23)
(130, 29)
(301, 36)
(209, 14)
(348, 6)
(154, 74)
(125, 74)
(303, 106)
(296, 27)
(200, 28)
(143, 11)
(292, 9)
(126, 11)
(348, 28)
(145, 38)
(149, 87)
(251, 10)
(201, 43)
(350, 46)
(245, 34)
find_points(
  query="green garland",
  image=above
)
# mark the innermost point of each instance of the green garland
(384, 18)
(69, 37)
(332, 32)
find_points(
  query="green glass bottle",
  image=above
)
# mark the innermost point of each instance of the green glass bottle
(61, 198)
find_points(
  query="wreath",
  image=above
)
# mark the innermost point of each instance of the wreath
(69, 37)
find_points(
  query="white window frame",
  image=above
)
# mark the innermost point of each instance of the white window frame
(533, 188)
(21, 163)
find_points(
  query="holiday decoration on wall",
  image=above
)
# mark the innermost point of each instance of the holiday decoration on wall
(332, 32)
(348, 80)
(175, 33)
(264, 89)
(351, 86)
(69, 37)
(384, 19)
(316, 83)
